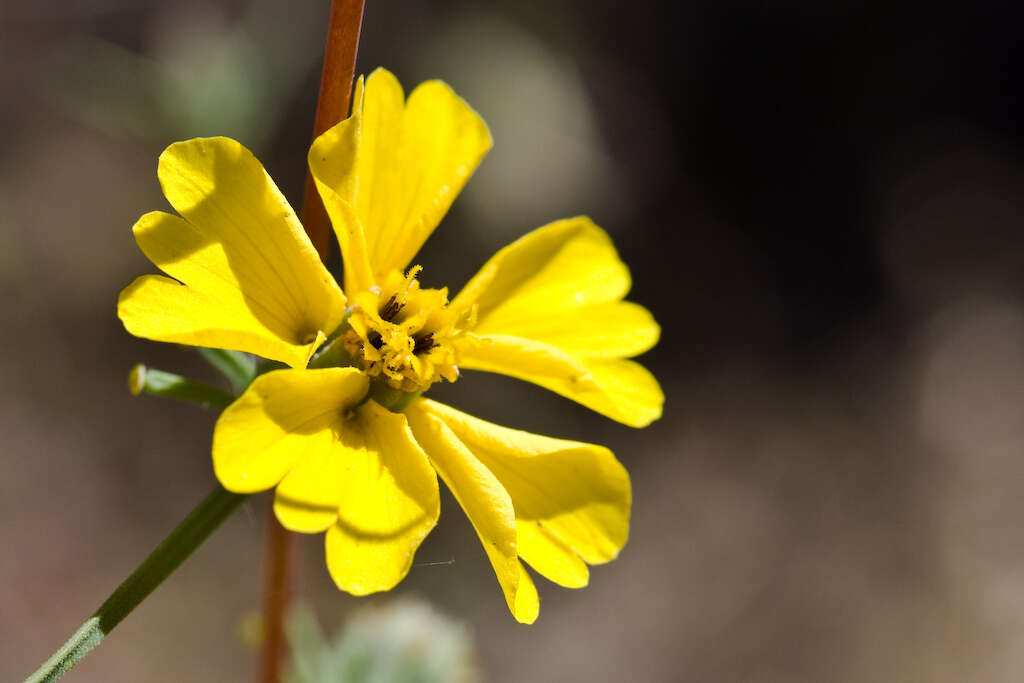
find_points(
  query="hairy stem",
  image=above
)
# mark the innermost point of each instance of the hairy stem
(167, 557)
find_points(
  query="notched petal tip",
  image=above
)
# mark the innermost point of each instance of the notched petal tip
(389, 172)
(388, 502)
(249, 277)
(572, 500)
(525, 604)
(620, 389)
(440, 91)
(384, 79)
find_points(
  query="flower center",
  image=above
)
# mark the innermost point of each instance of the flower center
(404, 334)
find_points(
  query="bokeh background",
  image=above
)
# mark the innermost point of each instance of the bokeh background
(821, 202)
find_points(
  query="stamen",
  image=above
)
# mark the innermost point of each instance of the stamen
(424, 343)
(389, 310)
(404, 335)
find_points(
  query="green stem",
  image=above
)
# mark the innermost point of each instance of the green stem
(168, 385)
(167, 557)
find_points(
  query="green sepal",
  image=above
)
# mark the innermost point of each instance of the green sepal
(393, 399)
(168, 385)
(237, 367)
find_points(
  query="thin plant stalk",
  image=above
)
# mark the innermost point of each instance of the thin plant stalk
(332, 106)
(167, 557)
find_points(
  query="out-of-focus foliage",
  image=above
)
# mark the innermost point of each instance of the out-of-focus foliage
(203, 73)
(404, 641)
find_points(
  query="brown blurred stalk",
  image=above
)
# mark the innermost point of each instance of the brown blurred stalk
(332, 106)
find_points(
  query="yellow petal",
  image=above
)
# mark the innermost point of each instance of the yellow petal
(398, 165)
(333, 162)
(526, 607)
(620, 389)
(549, 312)
(157, 307)
(556, 268)
(349, 467)
(615, 329)
(553, 559)
(485, 502)
(240, 249)
(308, 497)
(389, 502)
(577, 492)
(358, 276)
(283, 416)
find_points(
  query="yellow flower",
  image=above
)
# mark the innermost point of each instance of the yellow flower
(352, 448)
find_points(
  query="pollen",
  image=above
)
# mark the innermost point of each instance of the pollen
(403, 334)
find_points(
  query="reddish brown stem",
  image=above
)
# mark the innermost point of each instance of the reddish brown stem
(335, 95)
(276, 592)
(332, 106)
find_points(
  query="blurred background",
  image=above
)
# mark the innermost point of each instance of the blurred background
(821, 202)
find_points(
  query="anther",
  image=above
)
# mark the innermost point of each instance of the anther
(424, 343)
(390, 309)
